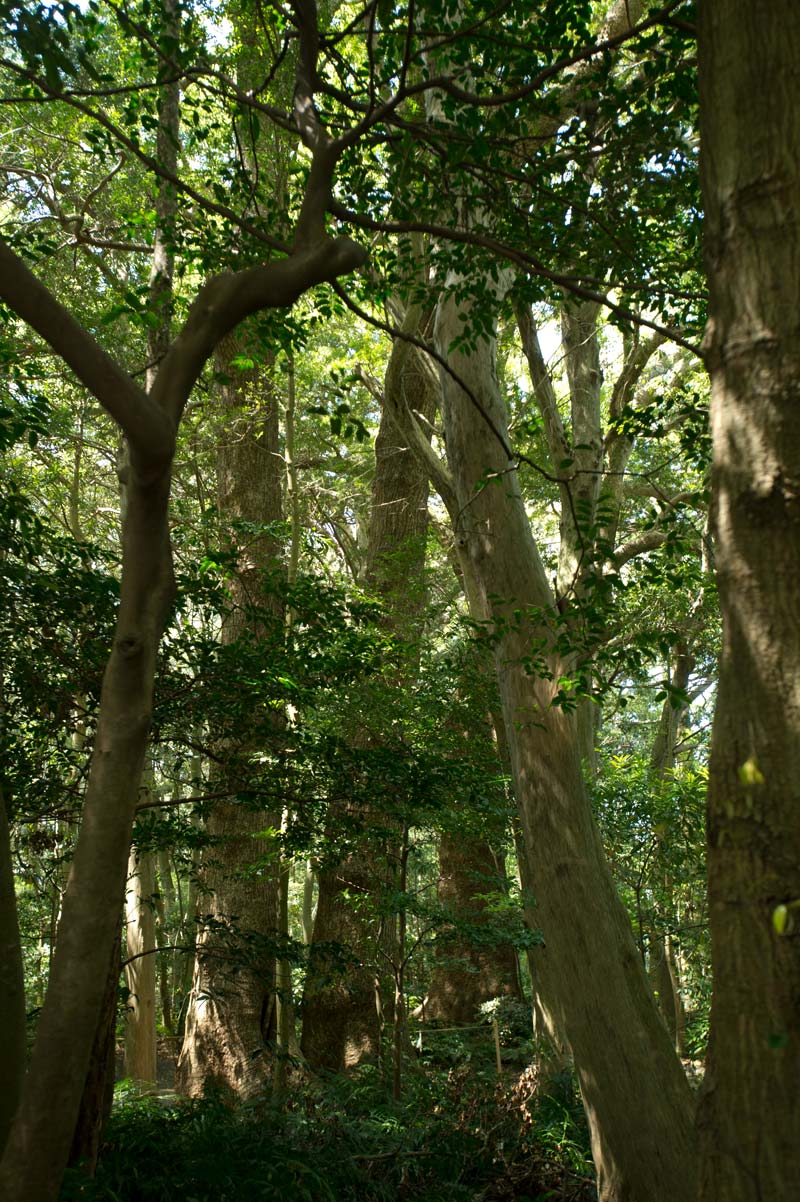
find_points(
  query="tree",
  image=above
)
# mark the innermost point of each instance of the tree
(649, 1153)
(446, 180)
(12, 985)
(39, 1142)
(342, 1021)
(750, 168)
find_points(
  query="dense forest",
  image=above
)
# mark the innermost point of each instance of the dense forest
(400, 626)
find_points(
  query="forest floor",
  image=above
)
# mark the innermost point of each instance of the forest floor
(458, 1135)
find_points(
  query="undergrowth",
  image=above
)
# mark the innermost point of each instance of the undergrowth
(456, 1137)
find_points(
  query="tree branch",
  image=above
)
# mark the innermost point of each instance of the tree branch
(557, 441)
(150, 432)
(637, 546)
(227, 299)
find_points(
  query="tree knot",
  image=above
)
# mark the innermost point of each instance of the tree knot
(129, 646)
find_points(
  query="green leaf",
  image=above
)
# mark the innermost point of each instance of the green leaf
(780, 920)
(750, 773)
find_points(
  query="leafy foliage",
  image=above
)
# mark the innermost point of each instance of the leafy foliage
(455, 1139)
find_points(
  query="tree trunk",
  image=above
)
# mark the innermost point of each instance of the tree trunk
(165, 913)
(284, 1025)
(662, 964)
(12, 987)
(39, 1144)
(468, 974)
(662, 754)
(750, 125)
(231, 1003)
(341, 1022)
(637, 1100)
(98, 1090)
(140, 970)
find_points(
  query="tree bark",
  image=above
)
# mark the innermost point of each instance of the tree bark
(750, 172)
(468, 974)
(590, 971)
(98, 1089)
(12, 987)
(231, 1005)
(341, 1022)
(140, 970)
(40, 1140)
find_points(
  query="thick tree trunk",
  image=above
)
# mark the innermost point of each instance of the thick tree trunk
(231, 1005)
(341, 1021)
(468, 974)
(636, 1096)
(98, 1090)
(750, 127)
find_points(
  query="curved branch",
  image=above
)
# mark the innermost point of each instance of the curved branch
(227, 299)
(148, 429)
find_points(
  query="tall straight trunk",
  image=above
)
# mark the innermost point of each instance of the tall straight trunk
(750, 173)
(662, 963)
(399, 964)
(164, 900)
(140, 970)
(231, 1005)
(636, 1096)
(341, 1021)
(12, 987)
(662, 753)
(284, 1024)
